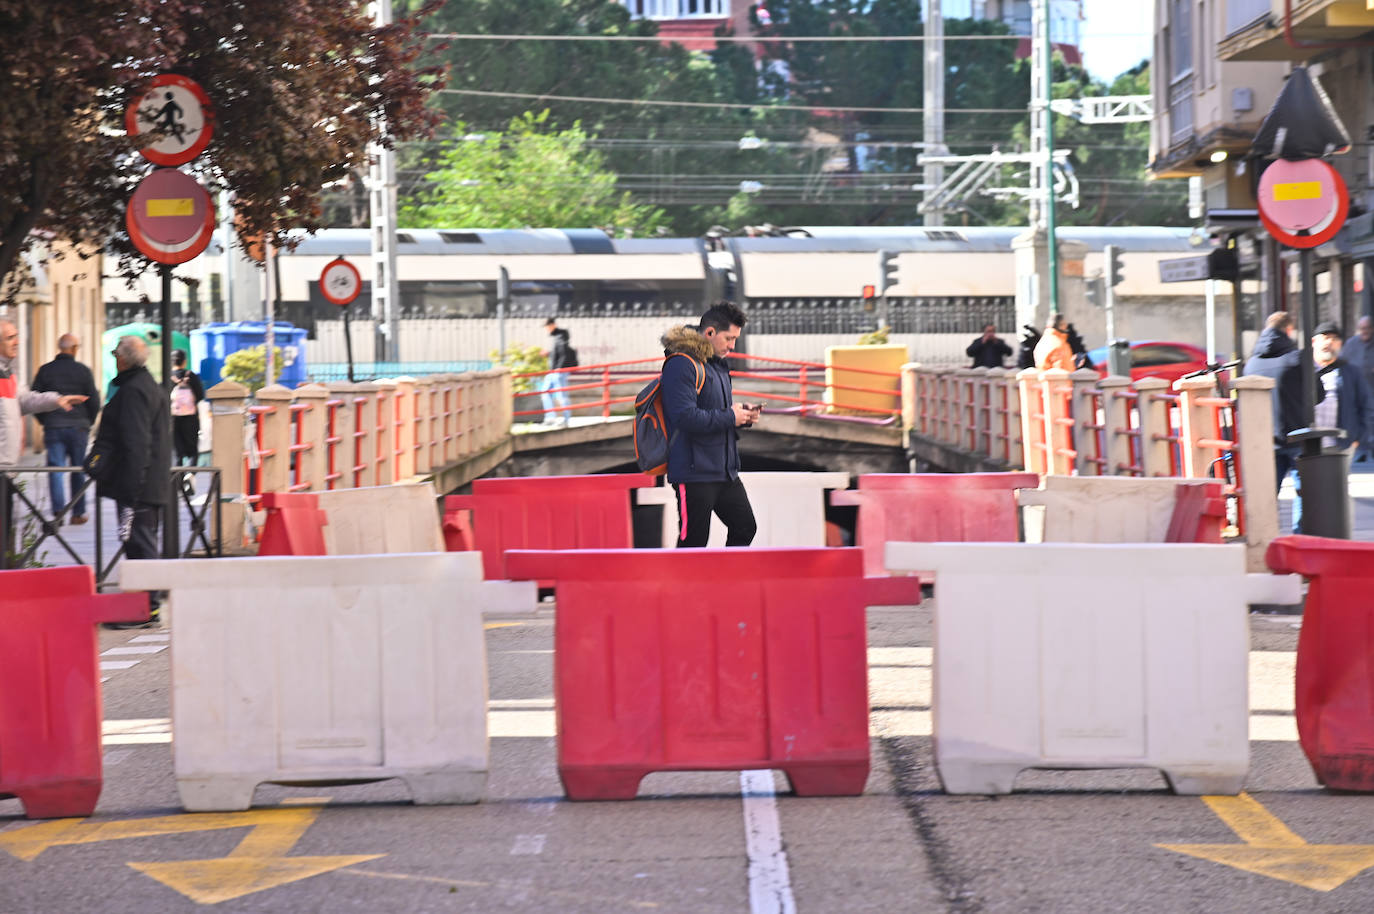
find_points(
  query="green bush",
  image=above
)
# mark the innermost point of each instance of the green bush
(249, 366)
(876, 338)
(522, 359)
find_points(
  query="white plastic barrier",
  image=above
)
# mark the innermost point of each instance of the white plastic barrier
(405, 518)
(1087, 656)
(1100, 509)
(789, 508)
(324, 670)
(382, 519)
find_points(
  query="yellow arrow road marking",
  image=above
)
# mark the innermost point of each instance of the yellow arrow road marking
(258, 862)
(1272, 849)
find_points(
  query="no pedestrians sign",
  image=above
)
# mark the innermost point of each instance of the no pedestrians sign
(178, 108)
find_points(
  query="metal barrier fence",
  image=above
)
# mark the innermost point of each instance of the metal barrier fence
(30, 527)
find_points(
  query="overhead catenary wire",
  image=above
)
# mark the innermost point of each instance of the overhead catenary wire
(842, 109)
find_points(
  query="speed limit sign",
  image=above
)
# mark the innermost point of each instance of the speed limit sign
(340, 282)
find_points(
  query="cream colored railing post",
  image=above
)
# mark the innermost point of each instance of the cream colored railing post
(313, 462)
(1057, 390)
(1198, 423)
(1034, 447)
(1116, 423)
(275, 473)
(1087, 424)
(384, 453)
(1154, 426)
(227, 424)
(403, 427)
(1256, 476)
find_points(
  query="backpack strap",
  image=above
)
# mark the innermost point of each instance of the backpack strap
(700, 369)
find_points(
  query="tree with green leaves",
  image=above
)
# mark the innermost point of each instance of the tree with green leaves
(298, 89)
(526, 176)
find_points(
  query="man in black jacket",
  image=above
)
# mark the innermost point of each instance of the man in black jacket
(65, 432)
(989, 350)
(561, 357)
(702, 425)
(133, 452)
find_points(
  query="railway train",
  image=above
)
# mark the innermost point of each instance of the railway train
(809, 281)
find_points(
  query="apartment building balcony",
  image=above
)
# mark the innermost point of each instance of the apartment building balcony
(1292, 29)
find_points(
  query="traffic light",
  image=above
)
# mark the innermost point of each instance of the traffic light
(1223, 264)
(1115, 268)
(887, 270)
(1093, 290)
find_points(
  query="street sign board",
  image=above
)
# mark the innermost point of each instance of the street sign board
(170, 217)
(340, 282)
(1302, 203)
(1183, 269)
(178, 108)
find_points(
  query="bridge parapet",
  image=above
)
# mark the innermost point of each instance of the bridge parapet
(1060, 423)
(350, 435)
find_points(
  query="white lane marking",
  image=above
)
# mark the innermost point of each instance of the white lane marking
(112, 757)
(520, 704)
(136, 731)
(117, 664)
(527, 845)
(770, 883)
(134, 649)
(149, 639)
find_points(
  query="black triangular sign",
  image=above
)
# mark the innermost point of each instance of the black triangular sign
(1302, 124)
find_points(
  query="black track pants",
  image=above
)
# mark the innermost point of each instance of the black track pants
(696, 501)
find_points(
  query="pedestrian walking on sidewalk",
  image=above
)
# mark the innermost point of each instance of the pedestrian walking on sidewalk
(132, 454)
(65, 432)
(561, 357)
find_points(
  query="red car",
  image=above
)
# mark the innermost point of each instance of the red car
(1155, 359)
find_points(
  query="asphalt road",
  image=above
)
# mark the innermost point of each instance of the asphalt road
(1086, 841)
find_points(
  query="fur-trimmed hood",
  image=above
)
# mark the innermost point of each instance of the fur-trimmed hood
(687, 339)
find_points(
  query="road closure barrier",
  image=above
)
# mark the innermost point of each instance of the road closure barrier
(50, 714)
(1087, 656)
(324, 670)
(928, 507)
(707, 659)
(1335, 675)
(1122, 509)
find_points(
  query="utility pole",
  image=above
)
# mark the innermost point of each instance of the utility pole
(1042, 211)
(382, 190)
(933, 120)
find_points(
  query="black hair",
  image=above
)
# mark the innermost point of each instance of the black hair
(178, 355)
(723, 315)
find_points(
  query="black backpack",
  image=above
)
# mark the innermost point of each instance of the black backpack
(569, 356)
(651, 428)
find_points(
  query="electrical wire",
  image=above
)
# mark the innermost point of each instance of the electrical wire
(480, 93)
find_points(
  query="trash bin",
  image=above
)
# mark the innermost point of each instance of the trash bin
(213, 343)
(147, 331)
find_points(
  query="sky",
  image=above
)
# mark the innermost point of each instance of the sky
(1117, 35)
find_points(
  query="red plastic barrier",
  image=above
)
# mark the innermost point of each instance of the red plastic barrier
(50, 686)
(1335, 677)
(929, 508)
(1199, 513)
(294, 525)
(458, 535)
(707, 659)
(547, 512)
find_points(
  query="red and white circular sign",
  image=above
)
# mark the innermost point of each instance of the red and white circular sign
(340, 282)
(1302, 203)
(170, 217)
(178, 108)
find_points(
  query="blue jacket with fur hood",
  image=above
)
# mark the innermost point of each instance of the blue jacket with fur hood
(702, 440)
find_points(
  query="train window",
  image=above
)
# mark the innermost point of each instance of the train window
(403, 238)
(461, 237)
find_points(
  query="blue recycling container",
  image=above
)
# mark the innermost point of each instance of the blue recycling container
(213, 343)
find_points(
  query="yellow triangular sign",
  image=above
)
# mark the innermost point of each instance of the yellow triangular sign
(213, 881)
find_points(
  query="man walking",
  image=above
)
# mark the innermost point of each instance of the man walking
(65, 432)
(133, 452)
(1344, 397)
(1276, 356)
(989, 350)
(561, 357)
(702, 427)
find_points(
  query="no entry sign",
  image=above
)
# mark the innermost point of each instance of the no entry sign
(178, 108)
(170, 217)
(1302, 203)
(340, 282)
